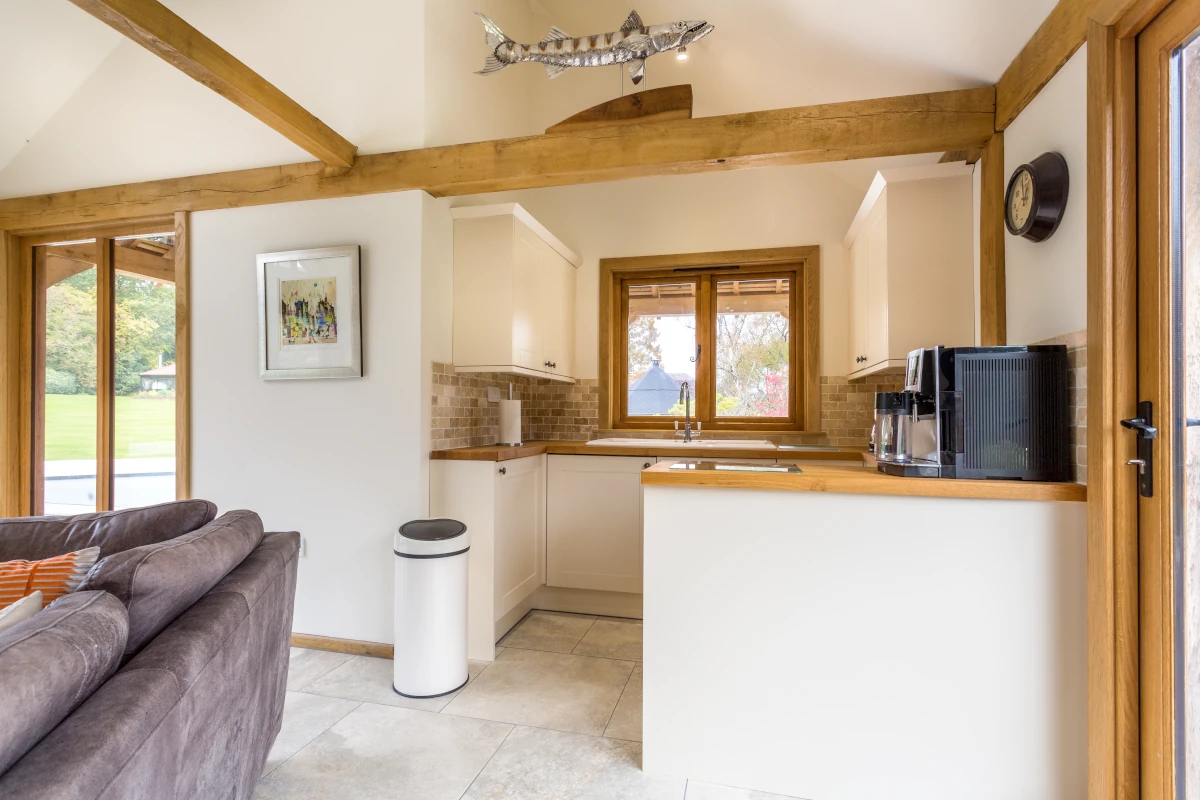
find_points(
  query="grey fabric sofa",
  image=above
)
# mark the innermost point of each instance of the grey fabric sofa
(163, 676)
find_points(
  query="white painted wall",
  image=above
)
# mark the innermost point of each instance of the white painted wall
(774, 207)
(1047, 281)
(341, 461)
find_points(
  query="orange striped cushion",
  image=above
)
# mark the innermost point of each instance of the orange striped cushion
(53, 577)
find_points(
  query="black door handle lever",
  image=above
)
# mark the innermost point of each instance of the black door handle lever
(1146, 434)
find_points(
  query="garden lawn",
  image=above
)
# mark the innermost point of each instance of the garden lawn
(145, 427)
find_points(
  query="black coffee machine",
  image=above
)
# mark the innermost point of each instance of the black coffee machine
(987, 413)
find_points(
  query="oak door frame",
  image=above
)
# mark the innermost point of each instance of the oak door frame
(807, 261)
(20, 492)
(1131, 692)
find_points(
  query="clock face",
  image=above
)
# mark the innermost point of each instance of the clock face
(1020, 200)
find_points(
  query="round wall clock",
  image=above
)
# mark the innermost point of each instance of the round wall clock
(1037, 197)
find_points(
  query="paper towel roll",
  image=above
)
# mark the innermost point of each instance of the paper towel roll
(510, 422)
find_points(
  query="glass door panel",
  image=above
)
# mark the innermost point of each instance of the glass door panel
(144, 371)
(68, 397)
(1185, 241)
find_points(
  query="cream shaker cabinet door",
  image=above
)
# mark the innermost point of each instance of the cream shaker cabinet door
(558, 283)
(520, 531)
(858, 305)
(528, 321)
(594, 522)
(877, 285)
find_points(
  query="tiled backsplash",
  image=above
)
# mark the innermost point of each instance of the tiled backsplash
(848, 409)
(463, 417)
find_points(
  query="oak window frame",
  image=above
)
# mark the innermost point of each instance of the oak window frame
(801, 265)
(22, 360)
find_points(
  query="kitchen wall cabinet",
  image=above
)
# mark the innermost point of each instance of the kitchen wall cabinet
(514, 294)
(594, 522)
(503, 505)
(911, 256)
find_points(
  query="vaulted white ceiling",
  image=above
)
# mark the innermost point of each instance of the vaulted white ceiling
(80, 106)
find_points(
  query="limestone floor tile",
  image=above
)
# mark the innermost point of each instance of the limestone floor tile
(711, 791)
(305, 666)
(370, 680)
(305, 717)
(546, 690)
(378, 752)
(626, 722)
(612, 638)
(535, 764)
(545, 630)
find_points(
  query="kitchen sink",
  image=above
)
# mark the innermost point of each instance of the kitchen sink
(695, 444)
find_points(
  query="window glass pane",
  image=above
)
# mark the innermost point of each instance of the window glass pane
(144, 375)
(70, 403)
(752, 348)
(662, 346)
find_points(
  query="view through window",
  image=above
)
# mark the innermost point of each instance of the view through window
(753, 351)
(140, 347)
(729, 333)
(661, 347)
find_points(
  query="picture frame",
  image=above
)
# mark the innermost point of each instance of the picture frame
(310, 314)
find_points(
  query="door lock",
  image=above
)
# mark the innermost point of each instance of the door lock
(1143, 426)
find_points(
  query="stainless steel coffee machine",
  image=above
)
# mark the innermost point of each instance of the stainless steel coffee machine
(982, 413)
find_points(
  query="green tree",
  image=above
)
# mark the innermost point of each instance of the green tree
(752, 352)
(144, 328)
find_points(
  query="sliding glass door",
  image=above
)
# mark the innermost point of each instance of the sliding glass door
(104, 396)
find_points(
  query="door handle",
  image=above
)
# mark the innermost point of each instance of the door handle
(1143, 426)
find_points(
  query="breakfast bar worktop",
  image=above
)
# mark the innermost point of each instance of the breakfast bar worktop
(859, 480)
(651, 447)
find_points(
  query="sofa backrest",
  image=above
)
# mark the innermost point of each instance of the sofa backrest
(52, 662)
(158, 582)
(35, 538)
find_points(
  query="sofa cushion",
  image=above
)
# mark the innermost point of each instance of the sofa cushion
(35, 538)
(53, 577)
(20, 611)
(52, 662)
(157, 582)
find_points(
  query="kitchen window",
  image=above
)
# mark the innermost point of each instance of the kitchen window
(739, 328)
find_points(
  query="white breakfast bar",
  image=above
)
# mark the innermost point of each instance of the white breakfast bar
(846, 635)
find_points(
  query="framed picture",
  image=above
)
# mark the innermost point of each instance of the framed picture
(309, 314)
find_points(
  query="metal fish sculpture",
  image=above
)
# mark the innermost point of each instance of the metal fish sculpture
(632, 44)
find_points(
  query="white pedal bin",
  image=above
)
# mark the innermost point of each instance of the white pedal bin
(431, 608)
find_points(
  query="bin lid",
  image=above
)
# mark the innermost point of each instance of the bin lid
(431, 538)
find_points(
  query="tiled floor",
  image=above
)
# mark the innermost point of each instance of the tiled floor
(558, 715)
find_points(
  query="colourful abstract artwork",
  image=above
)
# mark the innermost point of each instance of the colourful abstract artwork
(309, 311)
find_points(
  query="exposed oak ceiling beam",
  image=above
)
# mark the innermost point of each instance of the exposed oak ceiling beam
(162, 32)
(1058, 37)
(924, 123)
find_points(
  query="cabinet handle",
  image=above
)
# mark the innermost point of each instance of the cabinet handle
(646, 465)
(504, 470)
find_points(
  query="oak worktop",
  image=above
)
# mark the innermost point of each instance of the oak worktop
(860, 480)
(581, 448)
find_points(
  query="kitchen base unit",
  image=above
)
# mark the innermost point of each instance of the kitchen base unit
(504, 508)
(858, 646)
